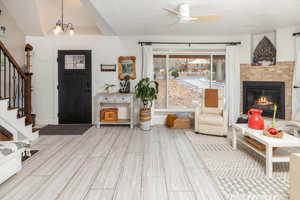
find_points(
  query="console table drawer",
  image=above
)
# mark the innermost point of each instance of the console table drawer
(115, 100)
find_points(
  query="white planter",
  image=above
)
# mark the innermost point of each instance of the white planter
(145, 126)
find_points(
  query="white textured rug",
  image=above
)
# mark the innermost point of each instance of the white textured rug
(240, 174)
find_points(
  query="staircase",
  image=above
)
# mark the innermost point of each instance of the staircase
(15, 97)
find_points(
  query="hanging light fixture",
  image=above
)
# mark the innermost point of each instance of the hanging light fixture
(60, 26)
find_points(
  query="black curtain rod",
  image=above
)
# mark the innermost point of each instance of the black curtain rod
(190, 43)
(296, 34)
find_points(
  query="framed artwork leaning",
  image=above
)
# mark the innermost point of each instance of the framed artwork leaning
(127, 67)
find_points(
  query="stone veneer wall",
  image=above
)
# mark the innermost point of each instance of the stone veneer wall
(282, 71)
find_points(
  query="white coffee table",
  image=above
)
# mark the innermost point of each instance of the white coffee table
(271, 157)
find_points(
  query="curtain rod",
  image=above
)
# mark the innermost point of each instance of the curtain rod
(189, 43)
(296, 34)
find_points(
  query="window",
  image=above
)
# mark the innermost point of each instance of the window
(74, 61)
(181, 78)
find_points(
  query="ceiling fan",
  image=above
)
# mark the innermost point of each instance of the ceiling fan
(183, 13)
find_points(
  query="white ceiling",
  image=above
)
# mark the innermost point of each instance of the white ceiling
(74, 12)
(146, 17)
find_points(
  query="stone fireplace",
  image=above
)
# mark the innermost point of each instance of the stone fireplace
(281, 72)
(263, 95)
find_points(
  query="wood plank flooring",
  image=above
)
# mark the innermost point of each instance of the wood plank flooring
(113, 163)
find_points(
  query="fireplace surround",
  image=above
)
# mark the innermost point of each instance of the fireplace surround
(263, 95)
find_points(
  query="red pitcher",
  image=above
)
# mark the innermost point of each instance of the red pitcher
(255, 120)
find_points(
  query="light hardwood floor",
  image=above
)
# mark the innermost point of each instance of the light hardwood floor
(113, 163)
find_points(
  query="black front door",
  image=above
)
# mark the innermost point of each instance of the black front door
(74, 87)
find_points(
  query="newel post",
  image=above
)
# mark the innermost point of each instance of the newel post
(28, 89)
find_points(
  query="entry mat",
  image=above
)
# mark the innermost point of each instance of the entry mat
(65, 129)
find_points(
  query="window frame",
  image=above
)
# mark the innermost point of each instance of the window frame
(195, 53)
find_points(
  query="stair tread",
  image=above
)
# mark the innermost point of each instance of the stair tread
(5, 133)
(20, 116)
(12, 108)
(35, 129)
(27, 123)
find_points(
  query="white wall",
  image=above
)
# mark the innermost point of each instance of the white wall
(105, 50)
(285, 44)
(14, 39)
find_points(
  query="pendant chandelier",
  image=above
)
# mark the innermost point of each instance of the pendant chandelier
(61, 26)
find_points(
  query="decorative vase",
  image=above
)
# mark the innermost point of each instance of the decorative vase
(145, 119)
(109, 90)
(256, 121)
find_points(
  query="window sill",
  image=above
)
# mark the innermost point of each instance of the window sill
(174, 110)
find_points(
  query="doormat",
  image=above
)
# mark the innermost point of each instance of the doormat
(32, 152)
(65, 129)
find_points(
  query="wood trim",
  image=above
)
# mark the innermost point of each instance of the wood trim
(12, 60)
(191, 56)
(5, 135)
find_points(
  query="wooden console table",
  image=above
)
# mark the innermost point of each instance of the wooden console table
(114, 98)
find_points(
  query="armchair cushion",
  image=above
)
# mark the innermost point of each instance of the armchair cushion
(211, 119)
(217, 111)
(211, 98)
(294, 177)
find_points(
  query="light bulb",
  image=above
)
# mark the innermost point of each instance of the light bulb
(71, 32)
(57, 29)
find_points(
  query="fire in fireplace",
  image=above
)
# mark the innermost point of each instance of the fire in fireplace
(263, 95)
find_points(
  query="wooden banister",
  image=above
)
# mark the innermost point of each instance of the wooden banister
(15, 82)
(12, 60)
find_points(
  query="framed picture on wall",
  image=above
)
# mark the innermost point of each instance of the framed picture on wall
(108, 67)
(127, 67)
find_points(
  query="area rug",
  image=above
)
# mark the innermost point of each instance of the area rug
(72, 129)
(240, 175)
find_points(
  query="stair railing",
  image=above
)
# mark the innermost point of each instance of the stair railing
(15, 84)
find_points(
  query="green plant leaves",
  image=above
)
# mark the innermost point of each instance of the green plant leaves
(146, 90)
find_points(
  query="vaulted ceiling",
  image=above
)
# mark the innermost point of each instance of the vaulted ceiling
(146, 17)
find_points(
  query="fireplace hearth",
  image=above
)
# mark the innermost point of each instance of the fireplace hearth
(263, 95)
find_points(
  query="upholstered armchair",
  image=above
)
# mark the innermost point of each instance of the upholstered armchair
(211, 117)
(294, 177)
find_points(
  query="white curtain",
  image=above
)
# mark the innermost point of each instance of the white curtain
(296, 80)
(232, 87)
(147, 68)
(147, 56)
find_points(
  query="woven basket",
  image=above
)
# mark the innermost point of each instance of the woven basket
(145, 114)
(256, 144)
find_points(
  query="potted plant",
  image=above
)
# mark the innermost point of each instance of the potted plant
(108, 87)
(146, 90)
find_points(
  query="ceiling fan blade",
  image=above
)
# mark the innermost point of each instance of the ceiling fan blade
(208, 18)
(175, 12)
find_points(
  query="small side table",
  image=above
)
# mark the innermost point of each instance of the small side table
(114, 98)
(271, 156)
